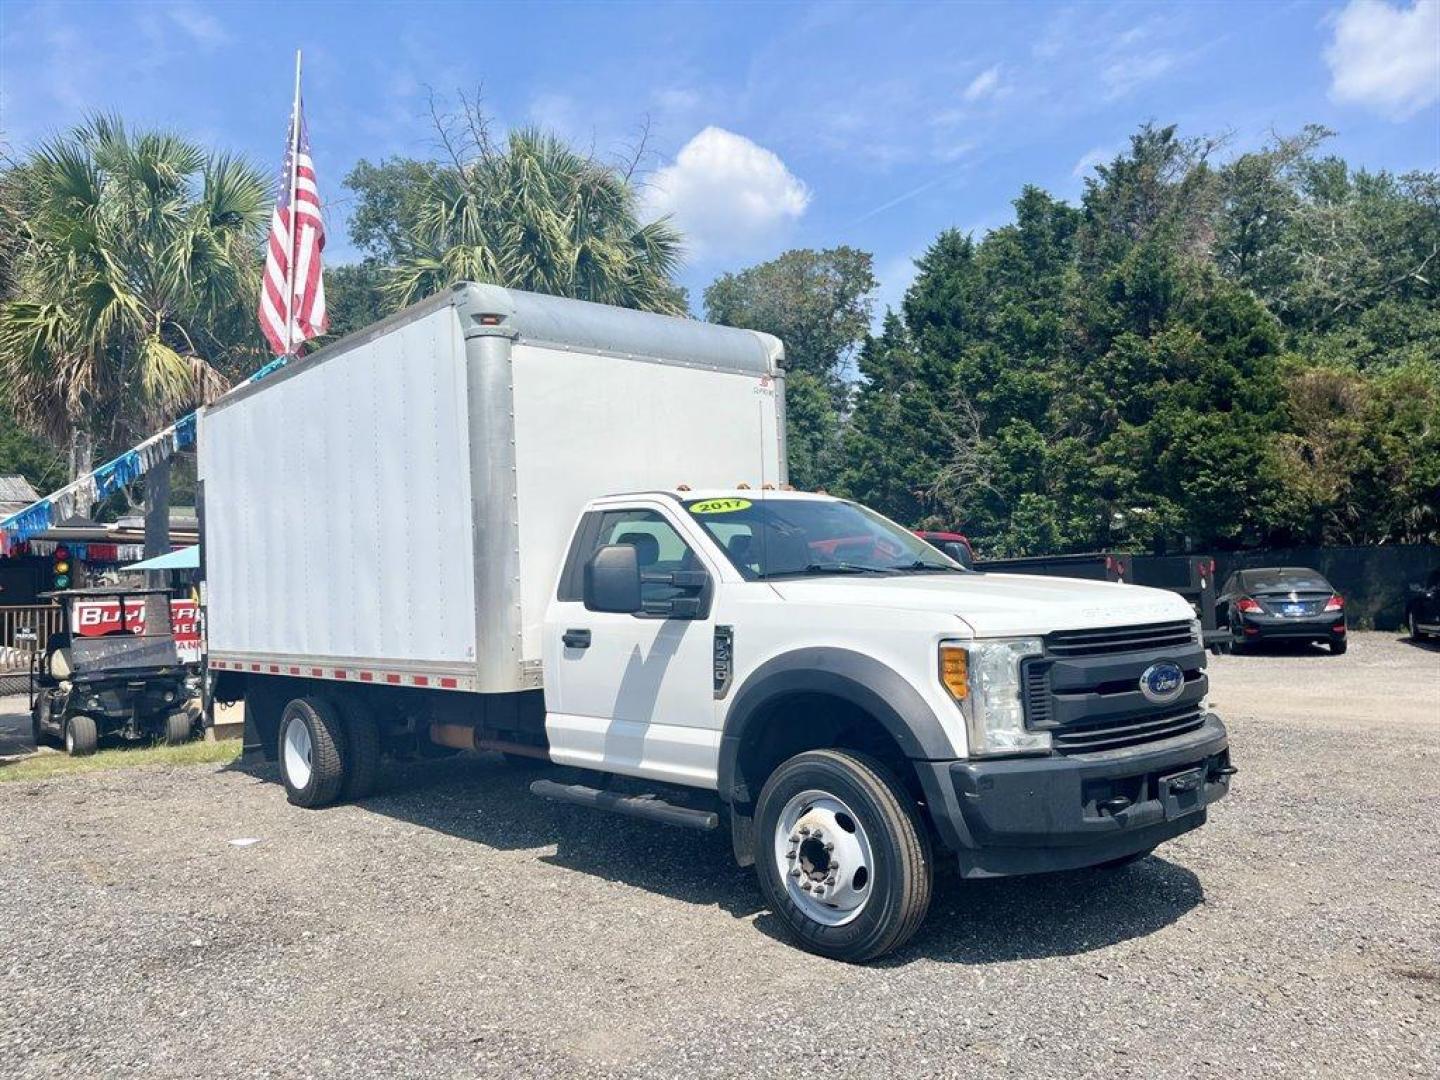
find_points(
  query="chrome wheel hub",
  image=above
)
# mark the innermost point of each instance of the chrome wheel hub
(824, 858)
(296, 752)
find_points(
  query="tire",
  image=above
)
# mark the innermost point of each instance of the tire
(855, 803)
(1337, 648)
(311, 748)
(1416, 634)
(81, 736)
(178, 728)
(1125, 860)
(38, 733)
(362, 759)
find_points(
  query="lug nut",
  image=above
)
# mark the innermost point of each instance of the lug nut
(790, 855)
(829, 845)
(795, 872)
(804, 830)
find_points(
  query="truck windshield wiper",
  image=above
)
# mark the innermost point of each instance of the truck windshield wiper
(921, 564)
(831, 568)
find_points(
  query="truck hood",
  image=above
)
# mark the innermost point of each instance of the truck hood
(997, 605)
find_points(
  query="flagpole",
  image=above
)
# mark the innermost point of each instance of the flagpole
(294, 215)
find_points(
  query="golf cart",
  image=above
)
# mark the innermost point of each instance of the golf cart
(111, 669)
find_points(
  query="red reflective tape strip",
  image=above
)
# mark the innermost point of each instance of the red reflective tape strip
(391, 677)
(367, 676)
(448, 684)
(274, 669)
(420, 680)
(294, 671)
(316, 672)
(254, 667)
(340, 673)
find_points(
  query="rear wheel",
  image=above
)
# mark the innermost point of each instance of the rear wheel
(842, 855)
(1338, 647)
(1416, 634)
(178, 728)
(312, 763)
(362, 745)
(81, 736)
(37, 731)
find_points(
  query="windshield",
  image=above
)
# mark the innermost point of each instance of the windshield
(115, 632)
(777, 537)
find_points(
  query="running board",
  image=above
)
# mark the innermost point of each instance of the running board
(637, 806)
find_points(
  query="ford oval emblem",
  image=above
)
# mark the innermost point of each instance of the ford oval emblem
(1162, 683)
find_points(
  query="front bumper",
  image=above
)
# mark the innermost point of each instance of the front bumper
(1029, 815)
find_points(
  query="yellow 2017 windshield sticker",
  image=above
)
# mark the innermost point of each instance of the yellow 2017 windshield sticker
(719, 506)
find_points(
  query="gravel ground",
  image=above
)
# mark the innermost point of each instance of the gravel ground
(454, 926)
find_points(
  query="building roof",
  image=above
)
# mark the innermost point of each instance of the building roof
(15, 494)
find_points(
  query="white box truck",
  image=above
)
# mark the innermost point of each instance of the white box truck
(502, 521)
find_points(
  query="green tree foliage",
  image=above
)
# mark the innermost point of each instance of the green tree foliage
(355, 297)
(1198, 355)
(134, 282)
(527, 212)
(819, 304)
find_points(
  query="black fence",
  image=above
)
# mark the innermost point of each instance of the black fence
(1374, 580)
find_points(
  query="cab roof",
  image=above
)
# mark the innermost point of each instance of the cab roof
(753, 494)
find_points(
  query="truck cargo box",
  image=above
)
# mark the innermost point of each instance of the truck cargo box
(395, 507)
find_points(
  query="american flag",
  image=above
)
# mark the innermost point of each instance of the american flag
(298, 298)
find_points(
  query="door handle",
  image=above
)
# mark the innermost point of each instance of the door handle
(576, 639)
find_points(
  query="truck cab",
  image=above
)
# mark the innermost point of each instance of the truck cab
(828, 674)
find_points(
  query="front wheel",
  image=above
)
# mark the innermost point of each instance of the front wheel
(178, 728)
(81, 736)
(842, 855)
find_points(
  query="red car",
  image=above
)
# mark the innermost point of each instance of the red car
(952, 544)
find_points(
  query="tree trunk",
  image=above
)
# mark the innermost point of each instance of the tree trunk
(157, 510)
(82, 450)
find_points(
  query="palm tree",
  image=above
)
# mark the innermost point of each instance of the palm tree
(133, 289)
(537, 215)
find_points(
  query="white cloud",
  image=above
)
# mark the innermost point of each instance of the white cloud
(983, 85)
(1088, 160)
(1128, 72)
(206, 30)
(1386, 57)
(728, 195)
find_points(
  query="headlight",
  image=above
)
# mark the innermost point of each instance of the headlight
(1198, 631)
(984, 677)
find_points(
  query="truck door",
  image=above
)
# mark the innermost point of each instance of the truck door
(632, 694)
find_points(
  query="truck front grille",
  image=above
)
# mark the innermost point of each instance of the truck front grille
(1130, 731)
(1086, 691)
(1120, 639)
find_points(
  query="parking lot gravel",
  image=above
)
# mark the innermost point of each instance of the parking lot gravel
(188, 922)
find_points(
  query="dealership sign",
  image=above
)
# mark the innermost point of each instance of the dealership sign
(97, 618)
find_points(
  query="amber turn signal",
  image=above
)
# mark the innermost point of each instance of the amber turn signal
(954, 671)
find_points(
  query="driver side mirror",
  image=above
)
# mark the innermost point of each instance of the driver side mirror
(612, 580)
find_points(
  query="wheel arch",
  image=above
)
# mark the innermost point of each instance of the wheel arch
(857, 687)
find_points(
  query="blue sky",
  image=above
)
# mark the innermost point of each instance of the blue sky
(771, 125)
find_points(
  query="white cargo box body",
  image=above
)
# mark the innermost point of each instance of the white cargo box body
(395, 507)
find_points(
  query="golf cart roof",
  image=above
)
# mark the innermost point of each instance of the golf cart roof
(101, 591)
